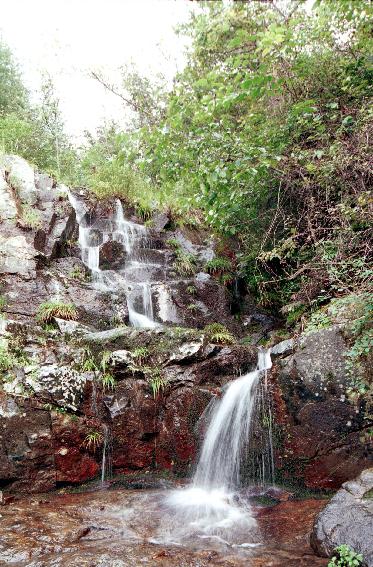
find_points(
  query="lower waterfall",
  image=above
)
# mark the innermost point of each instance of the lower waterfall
(212, 506)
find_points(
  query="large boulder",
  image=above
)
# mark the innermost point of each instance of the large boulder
(347, 519)
(322, 432)
(20, 177)
(26, 445)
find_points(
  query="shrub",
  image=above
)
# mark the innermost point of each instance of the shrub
(218, 333)
(346, 557)
(50, 309)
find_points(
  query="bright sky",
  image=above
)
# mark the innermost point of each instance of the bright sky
(67, 38)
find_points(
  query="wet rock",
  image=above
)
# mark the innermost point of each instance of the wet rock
(283, 348)
(323, 432)
(121, 358)
(347, 519)
(187, 351)
(112, 255)
(26, 446)
(71, 327)
(74, 462)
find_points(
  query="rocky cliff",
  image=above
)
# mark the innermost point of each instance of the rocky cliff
(77, 381)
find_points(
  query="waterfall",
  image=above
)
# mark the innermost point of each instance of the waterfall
(229, 429)
(212, 506)
(106, 464)
(134, 277)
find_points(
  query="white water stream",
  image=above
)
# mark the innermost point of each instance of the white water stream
(134, 277)
(212, 506)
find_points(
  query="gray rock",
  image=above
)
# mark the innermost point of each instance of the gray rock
(202, 277)
(321, 354)
(347, 519)
(21, 177)
(284, 347)
(17, 255)
(160, 221)
(71, 327)
(187, 351)
(8, 208)
(109, 335)
(121, 357)
(60, 384)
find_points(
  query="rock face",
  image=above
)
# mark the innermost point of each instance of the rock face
(347, 519)
(322, 436)
(69, 389)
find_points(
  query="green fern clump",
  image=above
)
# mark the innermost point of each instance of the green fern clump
(50, 309)
(31, 218)
(157, 382)
(218, 264)
(93, 440)
(140, 355)
(346, 557)
(185, 263)
(218, 333)
(7, 359)
(108, 381)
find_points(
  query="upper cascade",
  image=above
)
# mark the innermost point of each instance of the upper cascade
(135, 274)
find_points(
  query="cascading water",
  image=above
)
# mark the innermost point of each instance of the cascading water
(133, 276)
(212, 506)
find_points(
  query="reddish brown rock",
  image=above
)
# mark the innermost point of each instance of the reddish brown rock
(75, 460)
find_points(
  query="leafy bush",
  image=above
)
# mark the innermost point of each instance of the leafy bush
(346, 557)
(218, 333)
(50, 309)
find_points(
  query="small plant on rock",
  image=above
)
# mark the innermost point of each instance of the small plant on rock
(93, 440)
(185, 263)
(139, 355)
(346, 557)
(108, 381)
(31, 218)
(88, 363)
(157, 381)
(78, 273)
(218, 333)
(50, 309)
(191, 289)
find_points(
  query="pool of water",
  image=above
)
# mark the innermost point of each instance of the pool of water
(134, 528)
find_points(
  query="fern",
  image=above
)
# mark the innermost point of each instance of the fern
(50, 309)
(218, 333)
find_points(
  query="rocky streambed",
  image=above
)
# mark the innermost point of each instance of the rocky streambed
(129, 528)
